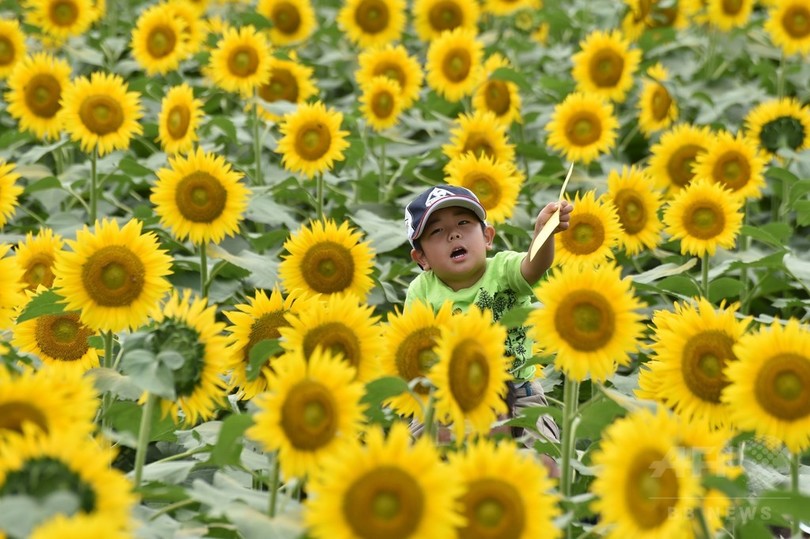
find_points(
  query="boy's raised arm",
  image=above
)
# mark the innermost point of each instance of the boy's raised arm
(533, 269)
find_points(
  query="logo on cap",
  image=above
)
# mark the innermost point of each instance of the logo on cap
(437, 194)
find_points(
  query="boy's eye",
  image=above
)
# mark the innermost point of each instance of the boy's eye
(464, 222)
(434, 231)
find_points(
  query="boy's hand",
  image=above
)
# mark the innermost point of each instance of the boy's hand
(545, 214)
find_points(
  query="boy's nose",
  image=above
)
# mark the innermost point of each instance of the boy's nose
(454, 235)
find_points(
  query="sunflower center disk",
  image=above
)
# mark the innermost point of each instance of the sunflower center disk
(586, 235)
(63, 13)
(733, 171)
(281, 87)
(496, 96)
(113, 276)
(62, 336)
(178, 121)
(101, 114)
(13, 414)
(6, 51)
(606, 68)
(469, 375)
(415, 356)
(383, 104)
(39, 272)
(161, 41)
(661, 101)
(680, 164)
(308, 416)
(445, 16)
(456, 65)
(265, 328)
(494, 509)
(585, 320)
(702, 362)
(485, 188)
(384, 502)
(328, 267)
(632, 214)
(42, 95)
(704, 221)
(313, 141)
(335, 337)
(783, 387)
(583, 129)
(200, 197)
(286, 18)
(479, 145)
(372, 16)
(392, 71)
(784, 132)
(796, 22)
(652, 489)
(243, 61)
(42, 476)
(732, 7)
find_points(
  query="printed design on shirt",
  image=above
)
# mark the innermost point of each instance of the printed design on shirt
(499, 304)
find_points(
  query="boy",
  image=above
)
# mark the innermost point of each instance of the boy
(447, 228)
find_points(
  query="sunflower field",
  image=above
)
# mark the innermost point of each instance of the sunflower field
(204, 267)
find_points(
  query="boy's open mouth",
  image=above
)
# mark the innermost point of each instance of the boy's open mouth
(458, 252)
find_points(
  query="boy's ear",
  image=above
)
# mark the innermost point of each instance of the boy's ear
(489, 235)
(418, 256)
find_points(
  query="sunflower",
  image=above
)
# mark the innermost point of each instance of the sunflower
(200, 197)
(35, 257)
(115, 276)
(61, 19)
(704, 216)
(391, 489)
(498, 96)
(11, 287)
(643, 14)
(312, 408)
(480, 134)
(188, 11)
(509, 7)
(100, 113)
(289, 81)
(647, 488)
(454, 63)
(12, 46)
(35, 88)
(736, 163)
(788, 24)
(158, 42)
(779, 123)
(339, 324)
(180, 114)
(605, 65)
(241, 61)
(471, 372)
(433, 17)
(674, 156)
(80, 526)
(312, 140)
(657, 106)
(252, 323)
(693, 345)
(636, 204)
(293, 20)
(496, 183)
(380, 103)
(9, 191)
(507, 492)
(327, 259)
(187, 326)
(588, 319)
(726, 15)
(409, 351)
(391, 61)
(36, 466)
(50, 402)
(370, 23)
(592, 233)
(769, 385)
(582, 127)
(60, 341)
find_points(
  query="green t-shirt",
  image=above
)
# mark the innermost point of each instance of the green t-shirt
(500, 289)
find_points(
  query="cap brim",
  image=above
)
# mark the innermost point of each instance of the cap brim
(446, 202)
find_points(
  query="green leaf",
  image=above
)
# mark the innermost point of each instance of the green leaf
(384, 388)
(48, 302)
(733, 488)
(133, 168)
(383, 234)
(148, 373)
(509, 74)
(225, 125)
(260, 353)
(680, 285)
(764, 235)
(228, 448)
(798, 190)
(259, 21)
(724, 287)
(172, 472)
(802, 208)
(105, 380)
(786, 503)
(171, 358)
(595, 418)
(515, 317)
(44, 184)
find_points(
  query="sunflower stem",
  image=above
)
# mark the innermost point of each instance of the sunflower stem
(626, 140)
(702, 524)
(430, 421)
(106, 400)
(203, 270)
(570, 401)
(93, 186)
(704, 269)
(795, 462)
(381, 194)
(274, 477)
(143, 437)
(319, 196)
(780, 77)
(257, 142)
(745, 296)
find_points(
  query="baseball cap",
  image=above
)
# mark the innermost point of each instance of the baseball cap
(435, 198)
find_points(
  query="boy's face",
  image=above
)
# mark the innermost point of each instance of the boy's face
(454, 246)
